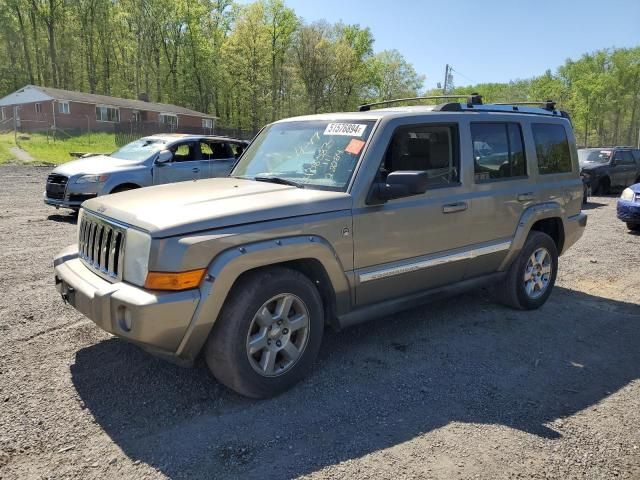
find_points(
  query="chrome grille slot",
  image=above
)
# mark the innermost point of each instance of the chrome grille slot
(100, 246)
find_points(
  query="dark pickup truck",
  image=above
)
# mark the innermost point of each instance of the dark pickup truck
(605, 168)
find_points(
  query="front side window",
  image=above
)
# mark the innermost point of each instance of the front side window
(429, 148)
(107, 114)
(63, 107)
(552, 148)
(318, 154)
(184, 152)
(498, 151)
(626, 157)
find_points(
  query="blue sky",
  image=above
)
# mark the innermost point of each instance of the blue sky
(502, 41)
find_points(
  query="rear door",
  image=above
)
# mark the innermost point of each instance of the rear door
(628, 166)
(222, 158)
(501, 189)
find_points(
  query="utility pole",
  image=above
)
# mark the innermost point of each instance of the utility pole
(446, 79)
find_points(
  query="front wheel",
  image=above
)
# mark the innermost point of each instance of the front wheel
(268, 333)
(532, 274)
(634, 227)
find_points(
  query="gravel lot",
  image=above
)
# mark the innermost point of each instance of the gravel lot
(461, 388)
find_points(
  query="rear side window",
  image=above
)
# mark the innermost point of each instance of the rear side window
(552, 148)
(498, 151)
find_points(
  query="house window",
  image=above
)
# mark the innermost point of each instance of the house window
(168, 119)
(2, 117)
(207, 123)
(135, 116)
(63, 107)
(107, 114)
(38, 107)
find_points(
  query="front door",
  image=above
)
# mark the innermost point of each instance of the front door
(185, 165)
(411, 244)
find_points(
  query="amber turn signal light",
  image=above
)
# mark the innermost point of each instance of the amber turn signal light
(174, 281)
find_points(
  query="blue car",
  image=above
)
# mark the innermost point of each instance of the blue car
(629, 207)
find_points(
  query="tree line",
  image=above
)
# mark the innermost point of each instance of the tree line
(252, 64)
(248, 64)
(600, 90)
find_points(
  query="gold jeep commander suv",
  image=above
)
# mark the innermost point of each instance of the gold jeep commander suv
(330, 219)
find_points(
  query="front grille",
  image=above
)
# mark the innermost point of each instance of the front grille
(56, 186)
(101, 246)
(58, 179)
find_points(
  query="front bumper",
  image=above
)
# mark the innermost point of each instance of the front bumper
(70, 200)
(628, 211)
(156, 321)
(573, 229)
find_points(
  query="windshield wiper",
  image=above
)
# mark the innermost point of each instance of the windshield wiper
(280, 180)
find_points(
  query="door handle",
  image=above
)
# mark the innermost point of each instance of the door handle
(454, 207)
(195, 170)
(525, 197)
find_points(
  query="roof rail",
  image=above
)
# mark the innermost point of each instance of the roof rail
(473, 99)
(547, 104)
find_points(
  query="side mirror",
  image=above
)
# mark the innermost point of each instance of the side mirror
(403, 183)
(164, 156)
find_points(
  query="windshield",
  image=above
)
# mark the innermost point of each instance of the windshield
(139, 150)
(594, 155)
(314, 153)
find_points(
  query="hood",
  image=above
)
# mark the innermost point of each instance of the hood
(94, 165)
(180, 208)
(585, 165)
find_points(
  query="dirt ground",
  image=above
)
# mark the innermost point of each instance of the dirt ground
(461, 388)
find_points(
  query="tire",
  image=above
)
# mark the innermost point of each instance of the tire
(634, 227)
(603, 187)
(512, 290)
(227, 351)
(122, 188)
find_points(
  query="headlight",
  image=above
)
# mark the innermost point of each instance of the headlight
(628, 194)
(137, 246)
(92, 178)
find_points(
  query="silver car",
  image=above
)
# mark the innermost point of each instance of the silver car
(148, 161)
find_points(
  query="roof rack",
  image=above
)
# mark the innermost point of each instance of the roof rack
(473, 99)
(547, 104)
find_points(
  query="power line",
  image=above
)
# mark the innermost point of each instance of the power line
(462, 75)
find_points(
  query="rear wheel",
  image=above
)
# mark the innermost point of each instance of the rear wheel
(634, 227)
(268, 333)
(532, 274)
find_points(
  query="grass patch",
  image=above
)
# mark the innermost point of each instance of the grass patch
(45, 150)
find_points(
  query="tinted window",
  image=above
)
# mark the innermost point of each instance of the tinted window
(220, 150)
(552, 148)
(497, 151)
(626, 157)
(427, 148)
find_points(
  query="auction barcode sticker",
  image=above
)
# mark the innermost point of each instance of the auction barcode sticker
(347, 129)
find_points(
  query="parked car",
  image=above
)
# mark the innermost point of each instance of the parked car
(330, 219)
(153, 160)
(609, 167)
(628, 207)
